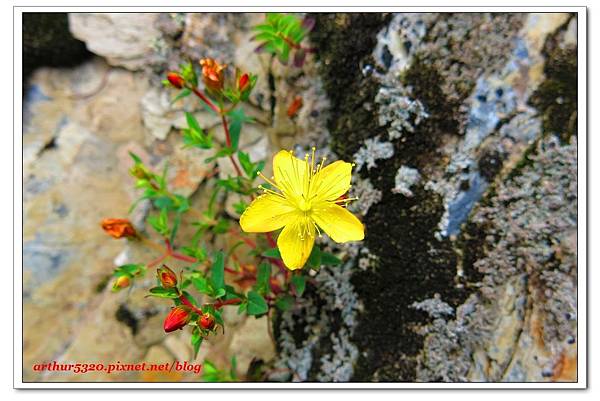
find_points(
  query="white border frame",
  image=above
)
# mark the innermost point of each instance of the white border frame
(582, 328)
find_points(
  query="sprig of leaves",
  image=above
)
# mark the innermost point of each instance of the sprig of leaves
(281, 35)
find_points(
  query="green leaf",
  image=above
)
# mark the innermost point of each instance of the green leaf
(314, 260)
(272, 253)
(196, 341)
(225, 152)
(130, 269)
(135, 158)
(161, 292)
(328, 259)
(238, 118)
(192, 122)
(256, 304)
(160, 223)
(201, 284)
(217, 272)
(262, 278)
(284, 302)
(299, 283)
(219, 293)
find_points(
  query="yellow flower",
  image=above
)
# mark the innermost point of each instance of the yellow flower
(305, 201)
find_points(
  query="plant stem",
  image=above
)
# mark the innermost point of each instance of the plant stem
(228, 142)
(187, 302)
(234, 301)
(206, 100)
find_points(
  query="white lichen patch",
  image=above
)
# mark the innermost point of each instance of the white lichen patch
(399, 112)
(435, 307)
(406, 177)
(336, 299)
(373, 150)
(367, 196)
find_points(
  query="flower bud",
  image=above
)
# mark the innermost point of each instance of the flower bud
(294, 106)
(243, 82)
(207, 321)
(176, 319)
(119, 228)
(167, 277)
(212, 74)
(121, 282)
(176, 80)
(140, 172)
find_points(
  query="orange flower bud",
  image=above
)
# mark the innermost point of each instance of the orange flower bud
(207, 321)
(294, 106)
(176, 80)
(119, 228)
(176, 319)
(167, 277)
(212, 73)
(121, 282)
(243, 82)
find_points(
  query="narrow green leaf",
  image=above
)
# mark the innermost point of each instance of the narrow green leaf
(161, 292)
(262, 278)
(217, 273)
(328, 259)
(196, 341)
(299, 283)
(314, 260)
(272, 253)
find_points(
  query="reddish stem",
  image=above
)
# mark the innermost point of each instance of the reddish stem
(157, 260)
(187, 302)
(185, 258)
(206, 100)
(234, 301)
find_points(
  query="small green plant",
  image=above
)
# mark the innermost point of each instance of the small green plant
(282, 35)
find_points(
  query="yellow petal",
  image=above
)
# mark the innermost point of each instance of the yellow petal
(290, 173)
(296, 242)
(338, 223)
(266, 213)
(332, 181)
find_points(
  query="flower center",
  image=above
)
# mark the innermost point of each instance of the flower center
(304, 205)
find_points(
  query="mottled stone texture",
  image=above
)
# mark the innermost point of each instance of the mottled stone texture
(471, 275)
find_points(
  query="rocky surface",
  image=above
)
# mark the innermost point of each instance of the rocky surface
(463, 128)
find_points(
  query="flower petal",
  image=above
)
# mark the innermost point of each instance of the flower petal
(296, 242)
(266, 213)
(332, 181)
(338, 223)
(290, 173)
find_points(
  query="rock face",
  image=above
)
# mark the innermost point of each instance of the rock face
(471, 269)
(463, 128)
(124, 41)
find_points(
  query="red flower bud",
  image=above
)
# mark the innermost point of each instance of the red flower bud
(121, 282)
(207, 321)
(167, 277)
(176, 80)
(119, 228)
(294, 106)
(243, 82)
(176, 319)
